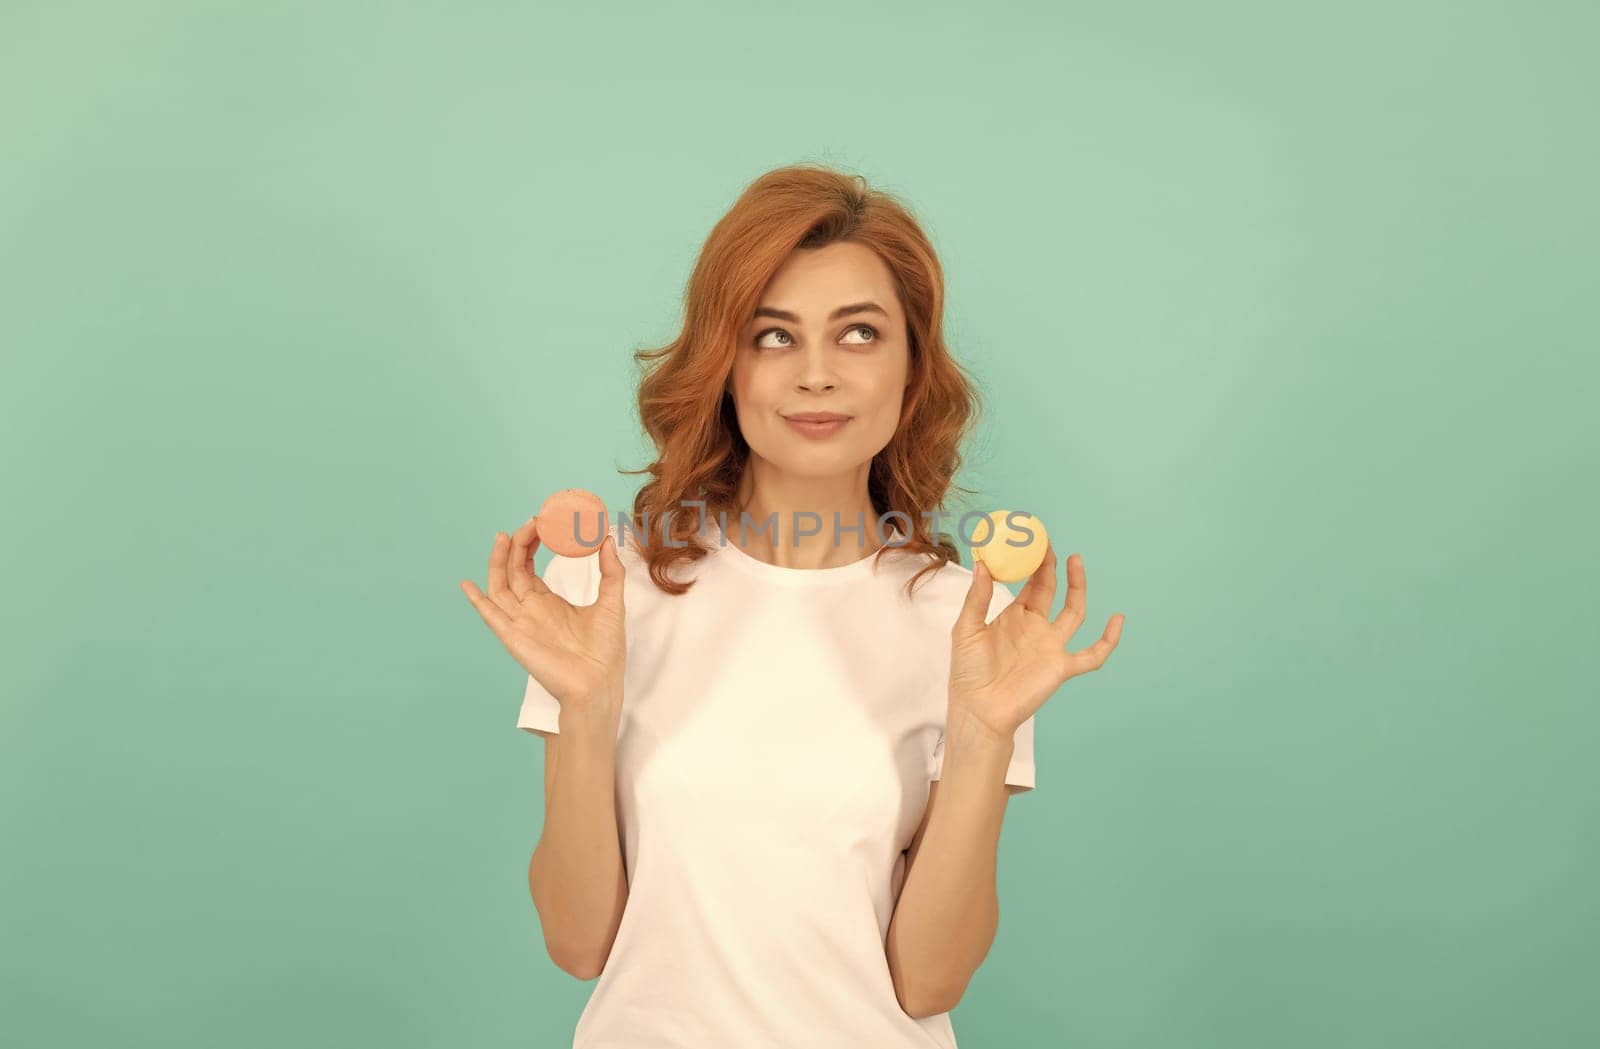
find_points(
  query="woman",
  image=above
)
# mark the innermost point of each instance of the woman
(750, 711)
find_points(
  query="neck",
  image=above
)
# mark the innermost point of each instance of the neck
(780, 507)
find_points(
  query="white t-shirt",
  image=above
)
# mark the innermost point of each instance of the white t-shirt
(779, 731)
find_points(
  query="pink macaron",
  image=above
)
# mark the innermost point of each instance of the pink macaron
(572, 522)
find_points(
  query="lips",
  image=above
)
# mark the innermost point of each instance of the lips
(816, 424)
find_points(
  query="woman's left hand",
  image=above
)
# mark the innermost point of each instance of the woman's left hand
(1002, 672)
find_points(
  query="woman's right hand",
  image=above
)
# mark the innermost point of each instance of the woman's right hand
(577, 652)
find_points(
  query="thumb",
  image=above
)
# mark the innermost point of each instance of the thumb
(612, 573)
(976, 606)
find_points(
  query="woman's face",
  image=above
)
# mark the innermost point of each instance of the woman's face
(828, 335)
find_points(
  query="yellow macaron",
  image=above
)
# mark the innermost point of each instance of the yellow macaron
(1012, 545)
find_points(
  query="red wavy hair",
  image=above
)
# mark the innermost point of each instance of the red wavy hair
(700, 452)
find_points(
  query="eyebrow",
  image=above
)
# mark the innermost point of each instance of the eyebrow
(842, 311)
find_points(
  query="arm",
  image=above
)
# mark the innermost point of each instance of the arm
(1002, 669)
(576, 876)
(575, 657)
(949, 910)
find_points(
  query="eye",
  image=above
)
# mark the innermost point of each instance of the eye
(790, 339)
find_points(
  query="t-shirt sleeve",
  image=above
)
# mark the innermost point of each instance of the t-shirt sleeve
(1019, 773)
(578, 580)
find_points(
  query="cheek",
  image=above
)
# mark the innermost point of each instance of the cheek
(757, 395)
(885, 421)
(888, 395)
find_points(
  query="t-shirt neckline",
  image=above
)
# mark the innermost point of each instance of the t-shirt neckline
(748, 562)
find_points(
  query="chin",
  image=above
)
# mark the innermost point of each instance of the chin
(817, 463)
(818, 467)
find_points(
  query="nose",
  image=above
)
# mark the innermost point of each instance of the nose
(817, 373)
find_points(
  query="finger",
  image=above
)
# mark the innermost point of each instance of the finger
(499, 588)
(1071, 616)
(976, 605)
(493, 615)
(519, 566)
(1039, 592)
(612, 574)
(1095, 656)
